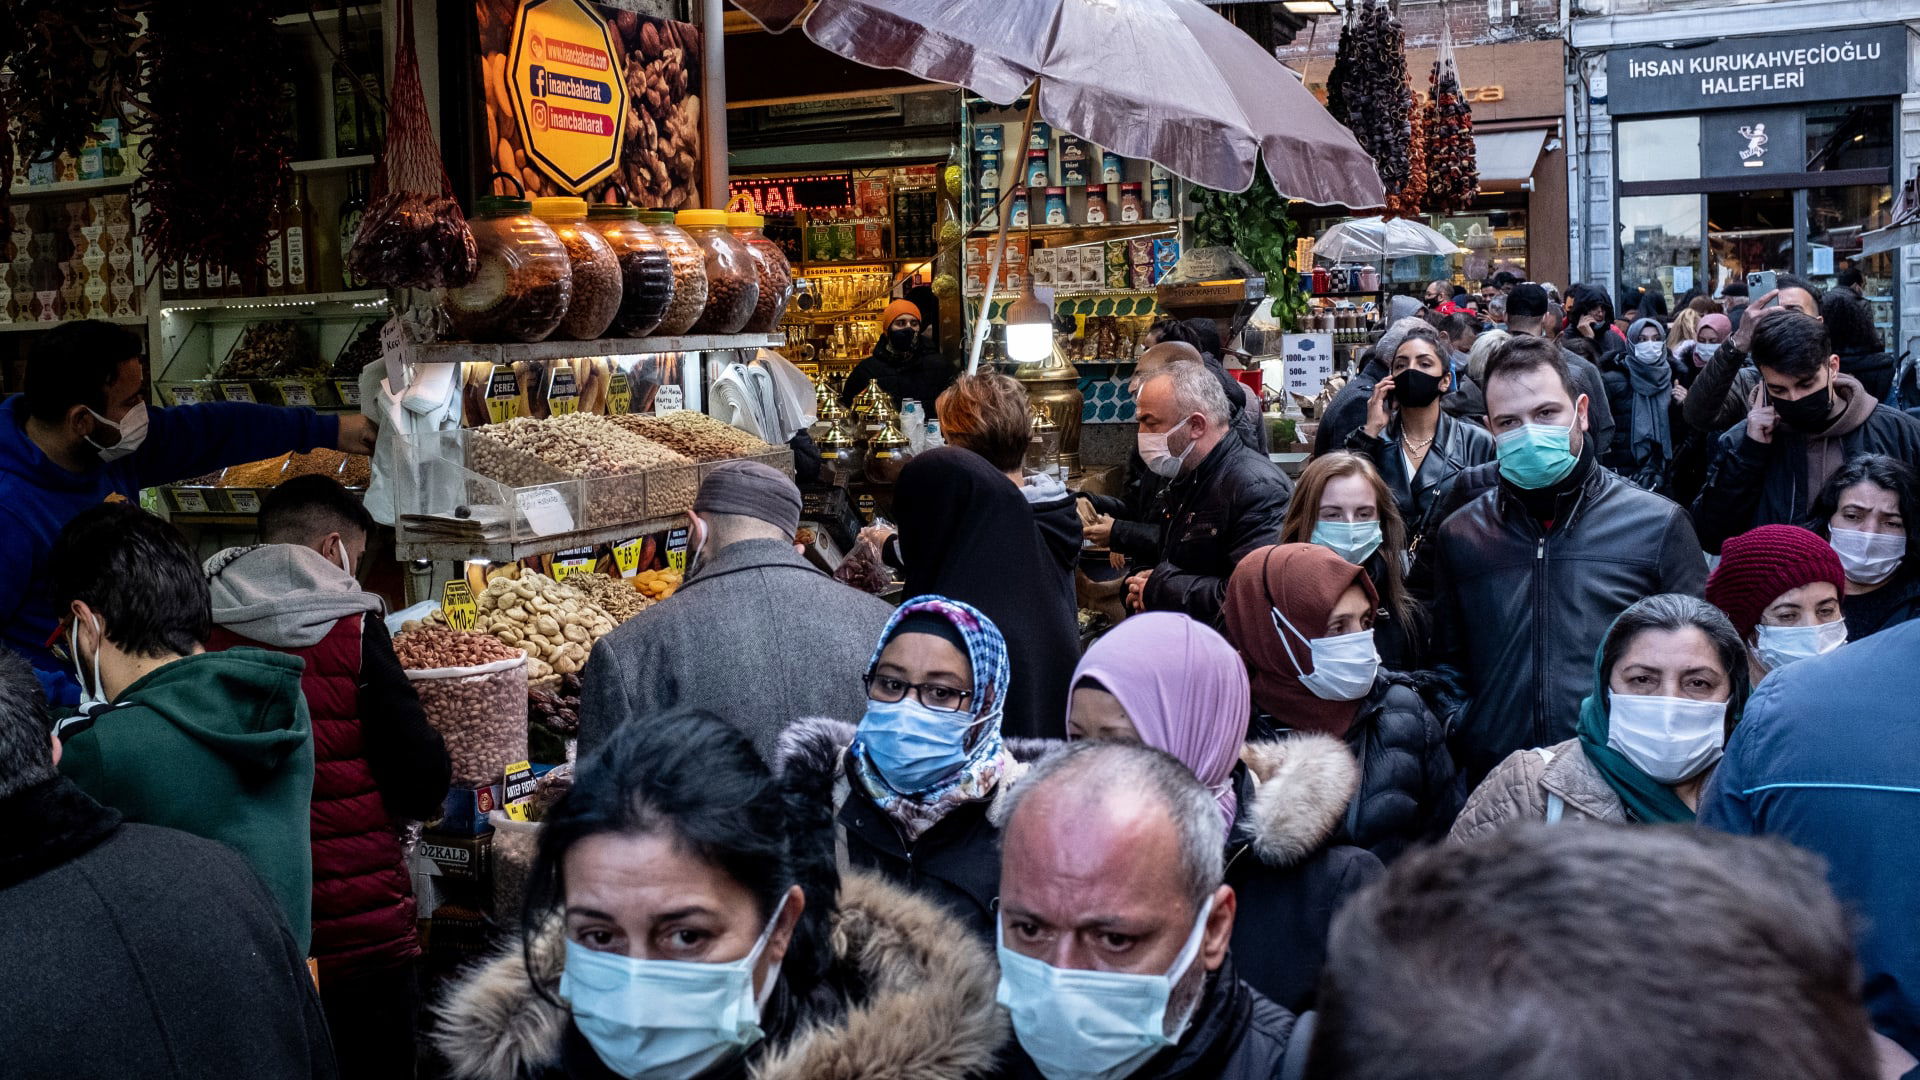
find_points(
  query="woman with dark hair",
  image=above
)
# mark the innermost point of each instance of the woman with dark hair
(1411, 440)
(1174, 684)
(684, 918)
(1669, 682)
(1870, 512)
(1302, 617)
(1341, 503)
(911, 789)
(1863, 354)
(1590, 318)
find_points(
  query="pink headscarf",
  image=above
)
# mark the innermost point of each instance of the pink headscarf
(1185, 690)
(1718, 322)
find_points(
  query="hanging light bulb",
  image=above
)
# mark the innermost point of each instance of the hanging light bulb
(1029, 329)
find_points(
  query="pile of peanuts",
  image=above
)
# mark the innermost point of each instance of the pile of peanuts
(695, 435)
(482, 718)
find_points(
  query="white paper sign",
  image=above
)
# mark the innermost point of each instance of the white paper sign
(237, 391)
(245, 502)
(395, 350)
(1819, 259)
(349, 391)
(185, 395)
(1309, 362)
(669, 399)
(1682, 279)
(546, 512)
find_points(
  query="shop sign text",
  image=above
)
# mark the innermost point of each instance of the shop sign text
(1731, 72)
(569, 92)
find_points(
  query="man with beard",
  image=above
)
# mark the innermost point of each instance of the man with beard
(904, 362)
(81, 434)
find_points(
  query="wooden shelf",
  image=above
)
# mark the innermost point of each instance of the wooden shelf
(349, 303)
(465, 352)
(501, 551)
(71, 187)
(27, 326)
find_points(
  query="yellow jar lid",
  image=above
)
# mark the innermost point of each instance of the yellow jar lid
(559, 207)
(701, 218)
(739, 220)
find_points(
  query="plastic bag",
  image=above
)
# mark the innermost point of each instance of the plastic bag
(514, 843)
(864, 569)
(413, 235)
(1208, 264)
(481, 712)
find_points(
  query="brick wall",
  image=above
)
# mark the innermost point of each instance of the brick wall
(1423, 19)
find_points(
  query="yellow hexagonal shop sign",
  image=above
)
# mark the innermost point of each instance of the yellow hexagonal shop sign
(569, 92)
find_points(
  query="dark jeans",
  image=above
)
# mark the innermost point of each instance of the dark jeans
(374, 1017)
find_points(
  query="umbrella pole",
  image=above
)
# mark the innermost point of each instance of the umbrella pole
(1000, 245)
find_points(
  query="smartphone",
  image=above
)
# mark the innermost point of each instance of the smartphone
(1760, 283)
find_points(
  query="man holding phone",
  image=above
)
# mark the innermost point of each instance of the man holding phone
(1805, 421)
(1718, 398)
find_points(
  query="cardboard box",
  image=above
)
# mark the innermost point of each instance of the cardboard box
(458, 858)
(1042, 265)
(465, 811)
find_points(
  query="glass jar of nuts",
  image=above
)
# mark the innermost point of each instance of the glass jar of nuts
(776, 276)
(733, 281)
(646, 273)
(597, 287)
(524, 282)
(689, 273)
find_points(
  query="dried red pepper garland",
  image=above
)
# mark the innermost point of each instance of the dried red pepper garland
(1373, 99)
(1411, 199)
(1450, 152)
(217, 159)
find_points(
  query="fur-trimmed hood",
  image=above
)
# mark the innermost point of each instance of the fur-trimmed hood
(928, 1014)
(813, 758)
(1302, 787)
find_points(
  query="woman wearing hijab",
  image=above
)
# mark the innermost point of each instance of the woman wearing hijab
(1167, 681)
(912, 786)
(1302, 618)
(1669, 682)
(1643, 446)
(966, 531)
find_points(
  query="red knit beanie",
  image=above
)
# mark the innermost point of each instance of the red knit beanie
(1756, 567)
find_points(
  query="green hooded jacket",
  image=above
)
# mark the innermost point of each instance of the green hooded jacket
(217, 745)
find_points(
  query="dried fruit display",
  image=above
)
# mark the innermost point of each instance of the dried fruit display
(364, 349)
(1368, 91)
(267, 349)
(1450, 151)
(1411, 199)
(86, 65)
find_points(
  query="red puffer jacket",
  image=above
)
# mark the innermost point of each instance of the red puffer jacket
(363, 907)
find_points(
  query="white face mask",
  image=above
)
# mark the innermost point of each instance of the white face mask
(1670, 739)
(1344, 667)
(132, 428)
(345, 560)
(1778, 646)
(95, 692)
(1157, 451)
(1869, 558)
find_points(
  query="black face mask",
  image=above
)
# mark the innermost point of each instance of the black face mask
(1415, 389)
(901, 341)
(1808, 413)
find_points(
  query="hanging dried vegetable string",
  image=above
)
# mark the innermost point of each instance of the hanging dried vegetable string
(413, 235)
(1450, 150)
(217, 160)
(75, 64)
(1373, 100)
(1411, 199)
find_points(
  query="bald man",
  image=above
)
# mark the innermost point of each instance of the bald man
(1112, 863)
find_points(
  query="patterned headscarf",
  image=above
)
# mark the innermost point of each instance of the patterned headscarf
(986, 758)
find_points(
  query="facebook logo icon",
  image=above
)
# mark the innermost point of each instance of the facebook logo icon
(537, 81)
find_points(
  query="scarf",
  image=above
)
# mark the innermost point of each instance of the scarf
(1651, 378)
(1184, 689)
(986, 761)
(1302, 582)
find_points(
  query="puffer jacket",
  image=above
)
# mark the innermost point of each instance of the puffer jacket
(1873, 368)
(1287, 868)
(1517, 790)
(1231, 503)
(1520, 609)
(1457, 445)
(906, 995)
(1407, 792)
(1750, 483)
(955, 863)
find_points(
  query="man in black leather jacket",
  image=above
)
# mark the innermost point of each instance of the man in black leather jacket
(1221, 501)
(1529, 575)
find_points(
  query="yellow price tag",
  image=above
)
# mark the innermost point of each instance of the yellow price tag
(619, 394)
(677, 542)
(517, 811)
(456, 602)
(562, 570)
(627, 557)
(677, 560)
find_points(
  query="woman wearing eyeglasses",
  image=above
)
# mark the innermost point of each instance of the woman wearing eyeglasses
(913, 785)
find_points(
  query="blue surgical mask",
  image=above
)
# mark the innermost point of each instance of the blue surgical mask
(665, 1019)
(1354, 541)
(1093, 1025)
(911, 746)
(1535, 456)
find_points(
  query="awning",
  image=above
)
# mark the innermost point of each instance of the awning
(1507, 156)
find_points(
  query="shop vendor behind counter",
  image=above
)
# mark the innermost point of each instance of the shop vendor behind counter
(82, 434)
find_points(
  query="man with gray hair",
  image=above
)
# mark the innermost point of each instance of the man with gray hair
(726, 642)
(1114, 925)
(1221, 499)
(166, 944)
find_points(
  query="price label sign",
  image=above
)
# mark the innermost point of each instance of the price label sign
(184, 395)
(456, 601)
(1309, 362)
(245, 502)
(397, 351)
(237, 391)
(626, 556)
(503, 394)
(677, 549)
(546, 512)
(568, 563)
(563, 393)
(190, 502)
(294, 392)
(669, 399)
(619, 394)
(349, 390)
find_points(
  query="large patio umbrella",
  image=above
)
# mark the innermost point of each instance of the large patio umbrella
(1169, 81)
(1378, 238)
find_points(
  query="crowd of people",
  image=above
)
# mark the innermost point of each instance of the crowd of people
(1368, 783)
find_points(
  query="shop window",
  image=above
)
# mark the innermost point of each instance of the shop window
(1849, 137)
(1660, 242)
(1495, 240)
(1748, 231)
(1663, 149)
(1836, 220)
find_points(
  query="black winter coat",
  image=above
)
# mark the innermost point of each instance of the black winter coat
(1136, 534)
(1287, 867)
(1236, 1034)
(138, 951)
(1873, 369)
(1407, 792)
(921, 376)
(1894, 602)
(1457, 445)
(1520, 610)
(1750, 484)
(1347, 412)
(1231, 503)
